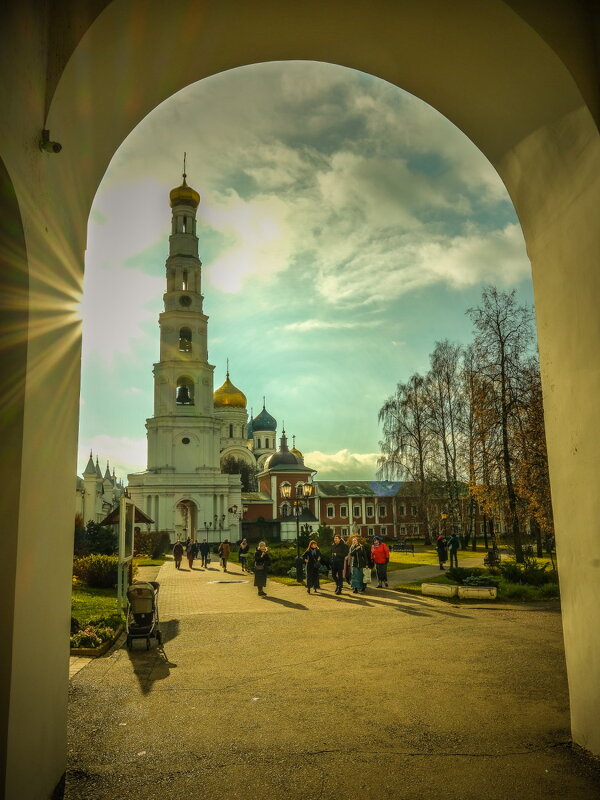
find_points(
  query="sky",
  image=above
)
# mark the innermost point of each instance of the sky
(344, 227)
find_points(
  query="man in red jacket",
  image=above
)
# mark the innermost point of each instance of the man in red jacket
(380, 554)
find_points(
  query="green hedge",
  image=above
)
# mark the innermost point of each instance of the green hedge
(152, 543)
(98, 571)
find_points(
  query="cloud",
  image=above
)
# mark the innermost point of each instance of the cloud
(343, 464)
(116, 305)
(382, 273)
(124, 454)
(323, 325)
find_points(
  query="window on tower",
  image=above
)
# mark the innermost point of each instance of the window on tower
(185, 224)
(231, 431)
(258, 444)
(185, 340)
(184, 282)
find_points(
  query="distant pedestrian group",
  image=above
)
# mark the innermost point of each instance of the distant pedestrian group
(447, 546)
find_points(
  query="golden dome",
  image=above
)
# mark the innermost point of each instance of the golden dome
(229, 395)
(184, 195)
(297, 453)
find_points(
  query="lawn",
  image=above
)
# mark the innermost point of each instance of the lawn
(88, 603)
(146, 561)
(426, 556)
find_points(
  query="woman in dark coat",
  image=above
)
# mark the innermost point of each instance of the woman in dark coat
(339, 553)
(262, 559)
(177, 554)
(442, 550)
(312, 559)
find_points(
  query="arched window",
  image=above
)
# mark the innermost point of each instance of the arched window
(285, 510)
(230, 431)
(185, 340)
(299, 492)
(258, 444)
(184, 393)
(184, 282)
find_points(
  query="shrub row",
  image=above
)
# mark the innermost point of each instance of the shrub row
(100, 572)
(152, 543)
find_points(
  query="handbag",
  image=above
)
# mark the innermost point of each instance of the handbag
(366, 574)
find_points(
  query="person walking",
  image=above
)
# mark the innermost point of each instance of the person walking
(312, 559)
(358, 561)
(224, 550)
(262, 559)
(339, 551)
(243, 554)
(442, 551)
(177, 553)
(204, 550)
(453, 545)
(190, 551)
(380, 555)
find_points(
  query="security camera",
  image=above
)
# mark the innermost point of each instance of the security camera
(47, 145)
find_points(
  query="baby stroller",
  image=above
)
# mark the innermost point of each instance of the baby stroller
(142, 613)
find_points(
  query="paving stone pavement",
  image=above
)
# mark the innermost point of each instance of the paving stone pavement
(383, 696)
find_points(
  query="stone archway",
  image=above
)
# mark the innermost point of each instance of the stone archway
(518, 79)
(186, 520)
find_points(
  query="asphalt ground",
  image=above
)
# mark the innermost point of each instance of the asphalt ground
(382, 695)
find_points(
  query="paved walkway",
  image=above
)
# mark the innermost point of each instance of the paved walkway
(304, 697)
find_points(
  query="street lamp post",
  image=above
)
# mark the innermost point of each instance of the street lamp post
(298, 506)
(444, 517)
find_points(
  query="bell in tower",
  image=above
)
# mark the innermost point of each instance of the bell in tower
(183, 397)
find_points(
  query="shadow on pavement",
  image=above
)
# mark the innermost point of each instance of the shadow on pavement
(154, 664)
(286, 603)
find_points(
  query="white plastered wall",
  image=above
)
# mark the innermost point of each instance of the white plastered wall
(482, 66)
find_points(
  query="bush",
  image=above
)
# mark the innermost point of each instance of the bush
(481, 580)
(91, 636)
(151, 543)
(460, 574)
(98, 571)
(530, 572)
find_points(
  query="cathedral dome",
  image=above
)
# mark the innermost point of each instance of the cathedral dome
(283, 457)
(264, 422)
(184, 195)
(229, 395)
(280, 459)
(297, 453)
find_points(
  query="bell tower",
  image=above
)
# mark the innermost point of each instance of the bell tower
(183, 489)
(180, 434)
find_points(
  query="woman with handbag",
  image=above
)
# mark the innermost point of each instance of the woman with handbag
(312, 559)
(262, 559)
(359, 561)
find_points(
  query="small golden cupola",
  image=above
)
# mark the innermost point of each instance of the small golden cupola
(229, 395)
(184, 195)
(296, 452)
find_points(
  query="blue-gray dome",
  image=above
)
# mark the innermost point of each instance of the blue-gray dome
(264, 422)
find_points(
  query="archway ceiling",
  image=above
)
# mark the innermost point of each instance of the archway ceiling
(481, 65)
